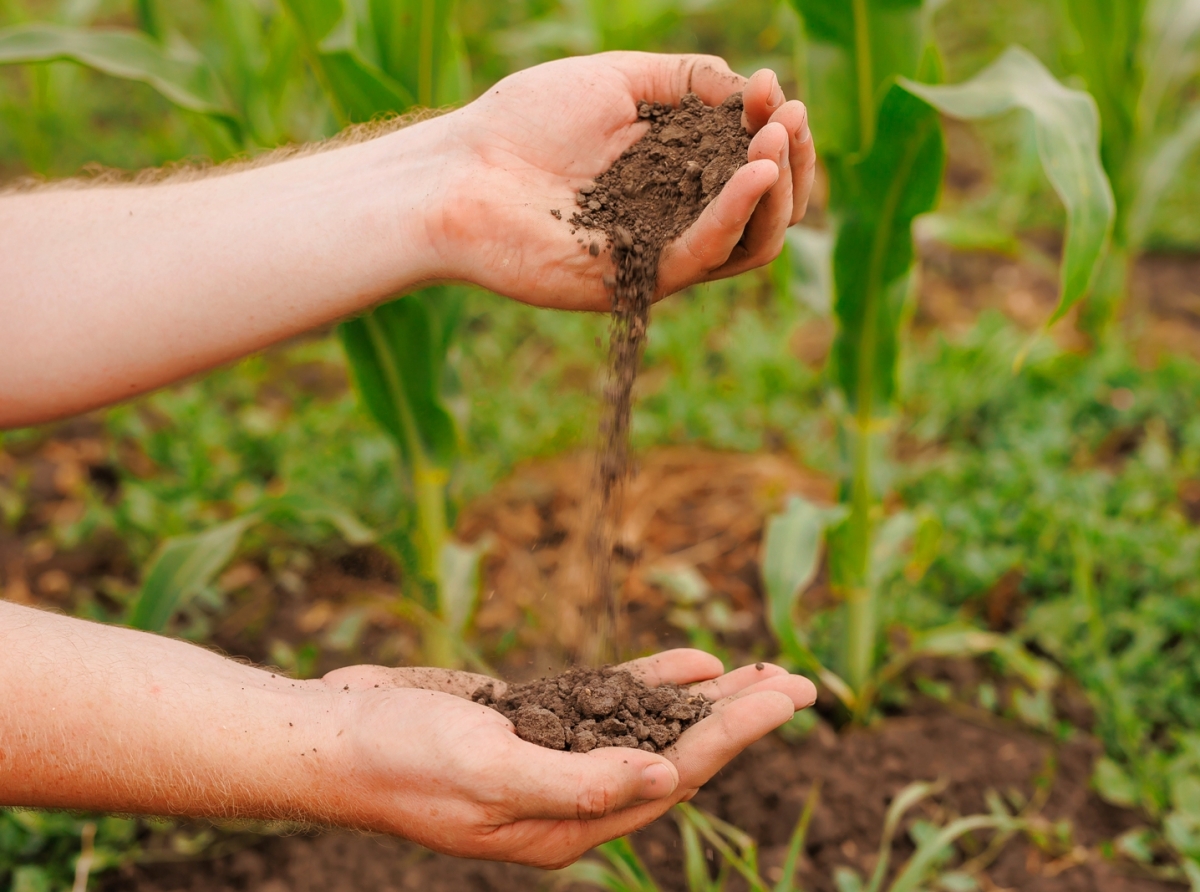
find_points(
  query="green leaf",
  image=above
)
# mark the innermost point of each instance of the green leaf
(879, 198)
(854, 51)
(189, 83)
(1163, 166)
(791, 557)
(460, 582)
(846, 879)
(309, 508)
(905, 799)
(181, 567)
(927, 855)
(340, 53)
(1067, 131)
(1114, 784)
(397, 356)
(419, 45)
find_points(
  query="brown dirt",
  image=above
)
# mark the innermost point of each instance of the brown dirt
(649, 196)
(586, 709)
(762, 791)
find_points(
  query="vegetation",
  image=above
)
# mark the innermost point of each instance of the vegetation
(1072, 482)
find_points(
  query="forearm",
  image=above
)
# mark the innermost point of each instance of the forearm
(107, 719)
(110, 291)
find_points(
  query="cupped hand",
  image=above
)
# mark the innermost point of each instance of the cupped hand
(526, 146)
(425, 762)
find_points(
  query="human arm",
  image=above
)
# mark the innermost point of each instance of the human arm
(101, 718)
(111, 291)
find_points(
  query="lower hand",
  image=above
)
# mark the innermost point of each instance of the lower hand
(528, 144)
(426, 763)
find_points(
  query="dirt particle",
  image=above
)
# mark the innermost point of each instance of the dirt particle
(585, 709)
(556, 213)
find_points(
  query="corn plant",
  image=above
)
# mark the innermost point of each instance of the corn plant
(369, 60)
(621, 870)
(874, 112)
(1139, 59)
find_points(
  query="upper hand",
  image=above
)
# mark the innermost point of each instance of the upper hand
(528, 144)
(426, 763)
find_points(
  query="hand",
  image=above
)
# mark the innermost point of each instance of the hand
(529, 143)
(426, 763)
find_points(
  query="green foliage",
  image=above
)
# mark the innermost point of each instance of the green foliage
(183, 565)
(38, 851)
(188, 83)
(1026, 481)
(1066, 128)
(885, 165)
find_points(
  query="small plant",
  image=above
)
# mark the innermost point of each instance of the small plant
(881, 139)
(737, 853)
(1138, 58)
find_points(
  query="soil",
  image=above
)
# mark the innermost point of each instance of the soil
(586, 709)
(762, 791)
(649, 196)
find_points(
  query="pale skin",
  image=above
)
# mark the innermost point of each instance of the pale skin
(112, 291)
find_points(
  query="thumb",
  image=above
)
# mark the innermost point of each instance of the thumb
(586, 786)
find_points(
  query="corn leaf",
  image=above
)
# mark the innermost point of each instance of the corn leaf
(460, 582)
(339, 45)
(397, 356)
(181, 567)
(881, 195)
(1160, 171)
(419, 45)
(851, 62)
(189, 83)
(931, 850)
(1067, 130)
(791, 557)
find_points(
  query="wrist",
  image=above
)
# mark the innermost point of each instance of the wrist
(408, 180)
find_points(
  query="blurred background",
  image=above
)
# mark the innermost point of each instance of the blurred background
(1034, 456)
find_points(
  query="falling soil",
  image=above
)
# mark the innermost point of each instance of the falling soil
(585, 709)
(650, 195)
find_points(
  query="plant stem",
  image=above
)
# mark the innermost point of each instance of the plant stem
(429, 492)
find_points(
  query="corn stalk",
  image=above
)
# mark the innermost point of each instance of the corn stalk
(876, 121)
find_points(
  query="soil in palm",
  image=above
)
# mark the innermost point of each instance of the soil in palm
(586, 709)
(650, 196)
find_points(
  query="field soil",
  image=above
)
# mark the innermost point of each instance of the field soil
(688, 514)
(763, 792)
(705, 510)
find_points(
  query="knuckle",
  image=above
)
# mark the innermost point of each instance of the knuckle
(596, 800)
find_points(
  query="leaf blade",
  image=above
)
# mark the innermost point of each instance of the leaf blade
(1067, 131)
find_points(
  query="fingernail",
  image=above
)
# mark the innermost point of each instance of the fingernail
(776, 98)
(657, 781)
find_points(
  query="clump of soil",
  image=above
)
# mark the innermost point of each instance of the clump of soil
(650, 195)
(585, 709)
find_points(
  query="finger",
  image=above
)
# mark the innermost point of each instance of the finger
(802, 155)
(761, 98)
(706, 245)
(361, 678)
(763, 237)
(656, 77)
(706, 747)
(545, 784)
(683, 665)
(738, 680)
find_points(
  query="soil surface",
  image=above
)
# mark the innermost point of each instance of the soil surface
(763, 791)
(585, 709)
(649, 196)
